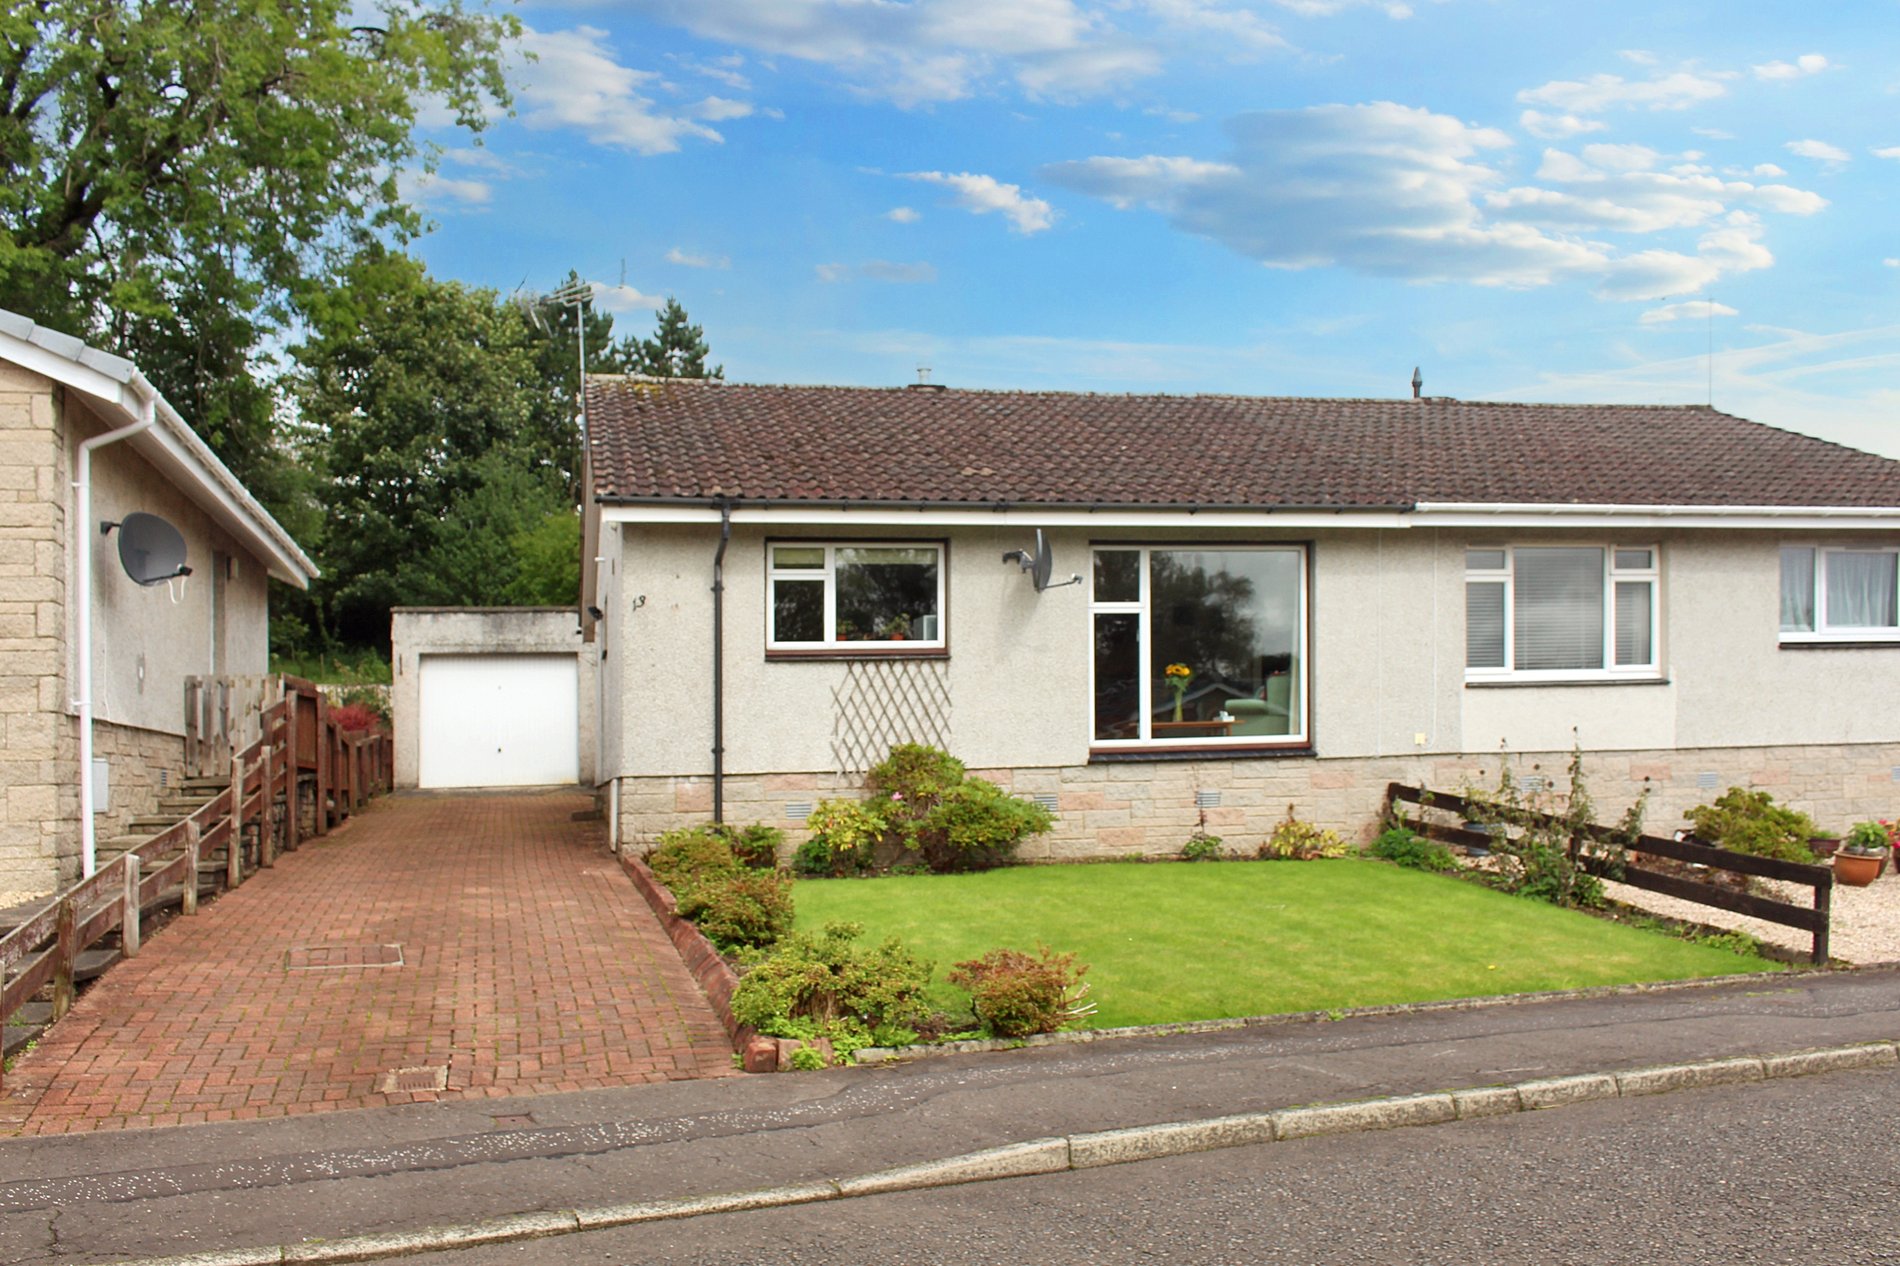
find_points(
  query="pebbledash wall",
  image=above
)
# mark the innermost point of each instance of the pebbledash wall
(145, 640)
(1817, 727)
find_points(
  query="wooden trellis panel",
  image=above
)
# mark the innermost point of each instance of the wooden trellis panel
(882, 702)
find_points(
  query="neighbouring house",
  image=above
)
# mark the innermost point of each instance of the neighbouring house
(66, 407)
(1278, 602)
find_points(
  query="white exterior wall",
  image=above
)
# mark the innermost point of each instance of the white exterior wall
(1388, 695)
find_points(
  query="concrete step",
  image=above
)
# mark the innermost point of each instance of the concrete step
(202, 786)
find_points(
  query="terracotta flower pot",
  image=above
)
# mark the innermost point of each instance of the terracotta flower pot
(1857, 870)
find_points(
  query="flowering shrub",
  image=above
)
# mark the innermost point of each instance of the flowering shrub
(1015, 993)
(1294, 840)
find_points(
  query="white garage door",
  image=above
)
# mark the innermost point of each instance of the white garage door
(499, 720)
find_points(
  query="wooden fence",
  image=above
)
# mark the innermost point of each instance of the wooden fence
(1811, 919)
(300, 758)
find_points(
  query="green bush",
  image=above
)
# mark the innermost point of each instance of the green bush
(976, 825)
(915, 775)
(1015, 993)
(755, 846)
(1201, 847)
(844, 838)
(829, 986)
(1751, 822)
(683, 856)
(1409, 848)
(1294, 840)
(739, 908)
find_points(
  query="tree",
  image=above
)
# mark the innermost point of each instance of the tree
(428, 396)
(173, 175)
(677, 348)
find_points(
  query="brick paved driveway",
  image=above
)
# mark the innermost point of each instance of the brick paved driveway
(528, 965)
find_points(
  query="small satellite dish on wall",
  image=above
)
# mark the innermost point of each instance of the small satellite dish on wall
(151, 550)
(1041, 564)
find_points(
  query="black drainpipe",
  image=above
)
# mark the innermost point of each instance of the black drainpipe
(719, 663)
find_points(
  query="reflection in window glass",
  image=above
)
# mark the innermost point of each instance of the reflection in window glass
(1117, 575)
(798, 611)
(1117, 676)
(884, 593)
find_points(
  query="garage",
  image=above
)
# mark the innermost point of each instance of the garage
(489, 697)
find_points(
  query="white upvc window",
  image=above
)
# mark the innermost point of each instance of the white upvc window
(855, 595)
(1561, 612)
(1839, 593)
(1198, 644)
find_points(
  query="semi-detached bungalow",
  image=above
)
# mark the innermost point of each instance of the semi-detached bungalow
(1274, 602)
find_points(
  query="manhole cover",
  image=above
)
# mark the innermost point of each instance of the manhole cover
(513, 1120)
(410, 1080)
(319, 957)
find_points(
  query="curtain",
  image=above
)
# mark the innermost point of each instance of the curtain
(1861, 590)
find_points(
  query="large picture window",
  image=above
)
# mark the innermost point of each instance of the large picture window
(861, 596)
(1560, 612)
(1202, 646)
(1851, 594)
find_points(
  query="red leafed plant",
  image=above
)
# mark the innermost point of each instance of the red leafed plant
(355, 716)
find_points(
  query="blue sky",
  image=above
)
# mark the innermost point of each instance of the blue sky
(1638, 201)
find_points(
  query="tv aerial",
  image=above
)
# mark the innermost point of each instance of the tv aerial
(1040, 564)
(151, 550)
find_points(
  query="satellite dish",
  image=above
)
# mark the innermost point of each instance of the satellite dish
(1044, 560)
(151, 550)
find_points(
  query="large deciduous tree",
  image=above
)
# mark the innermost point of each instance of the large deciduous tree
(173, 174)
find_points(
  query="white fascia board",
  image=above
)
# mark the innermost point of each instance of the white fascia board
(172, 446)
(1013, 516)
(1760, 518)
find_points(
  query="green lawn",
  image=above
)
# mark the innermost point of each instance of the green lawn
(1208, 941)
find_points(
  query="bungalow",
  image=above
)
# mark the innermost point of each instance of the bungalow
(91, 459)
(1154, 613)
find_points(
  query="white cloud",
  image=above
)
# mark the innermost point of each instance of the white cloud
(723, 70)
(433, 189)
(1889, 151)
(1697, 310)
(1767, 169)
(1713, 133)
(1806, 64)
(575, 82)
(481, 157)
(1171, 115)
(903, 215)
(718, 109)
(1639, 57)
(927, 50)
(1819, 150)
(624, 298)
(1676, 91)
(832, 272)
(1241, 26)
(1395, 9)
(1398, 191)
(1557, 127)
(1891, 263)
(692, 259)
(980, 195)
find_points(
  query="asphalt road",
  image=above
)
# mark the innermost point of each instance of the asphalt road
(1803, 1171)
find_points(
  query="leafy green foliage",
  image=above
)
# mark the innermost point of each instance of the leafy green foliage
(1015, 994)
(976, 825)
(1201, 847)
(1751, 822)
(755, 846)
(824, 980)
(683, 856)
(737, 909)
(1409, 848)
(1541, 837)
(677, 348)
(1867, 838)
(844, 835)
(1299, 841)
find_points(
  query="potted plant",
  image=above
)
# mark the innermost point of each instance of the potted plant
(1863, 854)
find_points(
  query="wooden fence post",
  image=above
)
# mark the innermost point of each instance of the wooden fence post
(234, 846)
(192, 836)
(129, 926)
(323, 764)
(1823, 905)
(63, 954)
(267, 808)
(293, 822)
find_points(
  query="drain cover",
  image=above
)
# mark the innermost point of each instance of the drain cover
(513, 1120)
(319, 957)
(410, 1080)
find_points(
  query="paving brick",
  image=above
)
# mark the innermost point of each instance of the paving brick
(530, 965)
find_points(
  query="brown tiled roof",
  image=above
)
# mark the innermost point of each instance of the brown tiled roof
(697, 441)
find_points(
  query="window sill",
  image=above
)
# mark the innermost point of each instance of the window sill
(1194, 751)
(1509, 683)
(1838, 644)
(859, 652)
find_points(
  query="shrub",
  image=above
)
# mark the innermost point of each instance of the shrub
(1015, 993)
(976, 825)
(1751, 822)
(1408, 848)
(1294, 840)
(739, 908)
(1555, 836)
(1201, 847)
(824, 985)
(355, 717)
(755, 846)
(844, 838)
(683, 856)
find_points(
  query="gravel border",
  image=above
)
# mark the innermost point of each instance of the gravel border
(1863, 926)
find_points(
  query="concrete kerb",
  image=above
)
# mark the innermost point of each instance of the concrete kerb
(1079, 1151)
